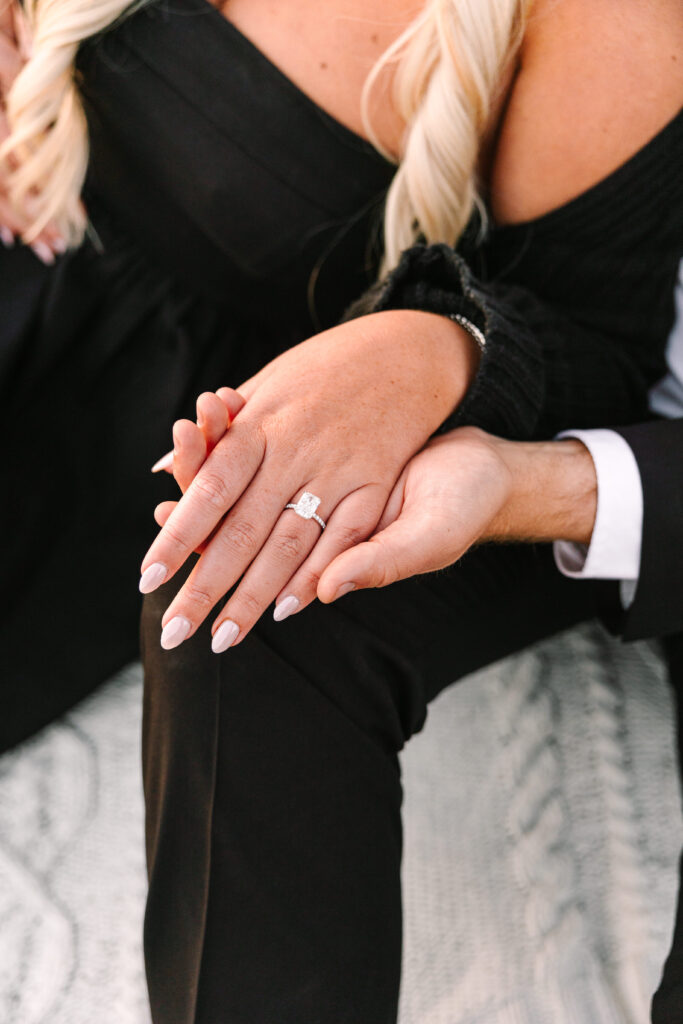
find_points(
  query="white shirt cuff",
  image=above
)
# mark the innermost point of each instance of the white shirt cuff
(614, 550)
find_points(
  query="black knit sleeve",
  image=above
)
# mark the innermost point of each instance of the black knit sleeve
(541, 371)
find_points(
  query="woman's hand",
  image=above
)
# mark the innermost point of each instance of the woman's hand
(193, 442)
(338, 416)
(14, 52)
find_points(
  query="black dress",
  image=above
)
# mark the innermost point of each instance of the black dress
(271, 774)
(232, 219)
(217, 241)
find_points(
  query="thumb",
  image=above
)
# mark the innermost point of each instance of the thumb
(395, 553)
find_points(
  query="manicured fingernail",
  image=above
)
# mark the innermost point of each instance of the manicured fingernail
(153, 576)
(165, 462)
(174, 632)
(345, 588)
(225, 636)
(6, 237)
(59, 245)
(44, 253)
(287, 606)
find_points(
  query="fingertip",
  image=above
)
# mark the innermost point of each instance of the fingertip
(232, 400)
(185, 434)
(164, 464)
(343, 575)
(163, 511)
(203, 406)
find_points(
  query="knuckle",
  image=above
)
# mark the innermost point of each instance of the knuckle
(240, 535)
(176, 536)
(200, 598)
(250, 605)
(212, 490)
(352, 533)
(387, 569)
(385, 577)
(288, 546)
(307, 580)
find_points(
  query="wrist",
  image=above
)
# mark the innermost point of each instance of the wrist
(447, 355)
(553, 492)
(462, 353)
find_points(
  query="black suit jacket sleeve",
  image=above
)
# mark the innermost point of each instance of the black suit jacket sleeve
(657, 609)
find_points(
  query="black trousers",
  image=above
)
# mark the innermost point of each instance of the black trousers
(273, 788)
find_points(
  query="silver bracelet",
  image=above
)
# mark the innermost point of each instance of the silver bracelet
(471, 329)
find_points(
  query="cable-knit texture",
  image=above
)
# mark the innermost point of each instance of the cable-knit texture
(626, 845)
(542, 832)
(513, 910)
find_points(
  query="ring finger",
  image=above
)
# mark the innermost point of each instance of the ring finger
(291, 563)
(354, 520)
(237, 542)
(289, 544)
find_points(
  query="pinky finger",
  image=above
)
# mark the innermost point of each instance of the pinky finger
(163, 511)
(353, 521)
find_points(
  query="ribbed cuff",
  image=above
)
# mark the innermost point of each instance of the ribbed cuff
(506, 395)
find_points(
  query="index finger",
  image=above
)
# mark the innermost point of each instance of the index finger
(224, 476)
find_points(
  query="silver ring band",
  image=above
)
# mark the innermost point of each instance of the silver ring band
(306, 506)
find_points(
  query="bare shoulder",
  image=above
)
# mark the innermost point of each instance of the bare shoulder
(597, 80)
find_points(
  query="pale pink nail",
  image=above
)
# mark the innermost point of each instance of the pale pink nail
(345, 588)
(286, 607)
(225, 636)
(59, 245)
(165, 462)
(153, 576)
(44, 253)
(174, 632)
(6, 237)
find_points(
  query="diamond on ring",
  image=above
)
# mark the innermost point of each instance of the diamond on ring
(306, 507)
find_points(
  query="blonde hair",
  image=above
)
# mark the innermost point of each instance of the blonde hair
(46, 154)
(450, 64)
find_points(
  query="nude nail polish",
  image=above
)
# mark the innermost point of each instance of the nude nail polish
(44, 253)
(225, 636)
(345, 588)
(6, 237)
(174, 632)
(59, 245)
(286, 607)
(165, 462)
(153, 576)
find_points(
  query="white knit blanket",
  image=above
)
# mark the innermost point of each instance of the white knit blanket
(543, 827)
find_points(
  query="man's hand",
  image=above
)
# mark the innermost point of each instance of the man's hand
(465, 488)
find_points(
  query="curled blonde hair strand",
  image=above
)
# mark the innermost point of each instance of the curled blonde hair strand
(450, 64)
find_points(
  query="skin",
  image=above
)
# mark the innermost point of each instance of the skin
(343, 414)
(465, 487)
(13, 54)
(280, 446)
